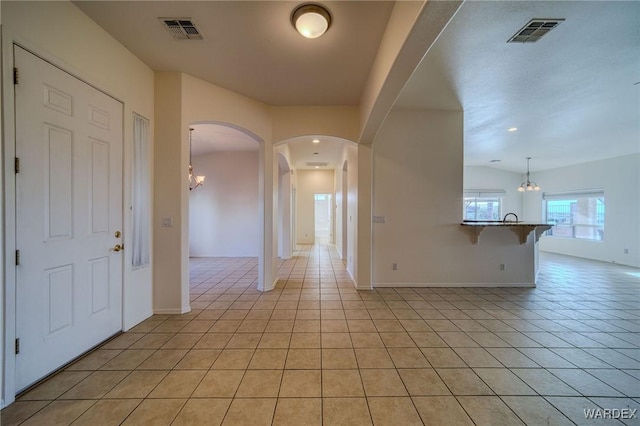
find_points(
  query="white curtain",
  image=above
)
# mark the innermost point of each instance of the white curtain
(141, 193)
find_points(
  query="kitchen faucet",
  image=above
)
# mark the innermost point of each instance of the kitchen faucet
(504, 219)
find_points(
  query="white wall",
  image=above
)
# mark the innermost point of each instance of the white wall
(417, 186)
(90, 53)
(309, 183)
(340, 196)
(620, 179)
(223, 214)
(477, 177)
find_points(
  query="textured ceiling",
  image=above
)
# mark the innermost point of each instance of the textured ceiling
(573, 95)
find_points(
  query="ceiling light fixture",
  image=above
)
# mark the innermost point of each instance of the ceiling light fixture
(528, 185)
(194, 181)
(512, 129)
(311, 20)
(316, 141)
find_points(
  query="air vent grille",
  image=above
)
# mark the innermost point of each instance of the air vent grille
(534, 30)
(316, 164)
(182, 28)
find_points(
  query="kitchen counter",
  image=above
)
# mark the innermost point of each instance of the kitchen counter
(521, 229)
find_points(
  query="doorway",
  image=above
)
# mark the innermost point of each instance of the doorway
(323, 218)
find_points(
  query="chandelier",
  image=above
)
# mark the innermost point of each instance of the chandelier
(528, 185)
(194, 181)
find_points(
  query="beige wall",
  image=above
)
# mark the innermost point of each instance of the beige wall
(417, 186)
(171, 270)
(223, 213)
(336, 121)
(309, 183)
(95, 57)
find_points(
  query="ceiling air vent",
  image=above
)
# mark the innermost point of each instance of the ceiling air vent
(534, 30)
(182, 28)
(316, 164)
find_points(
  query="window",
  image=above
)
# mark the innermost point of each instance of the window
(483, 204)
(577, 214)
(141, 194)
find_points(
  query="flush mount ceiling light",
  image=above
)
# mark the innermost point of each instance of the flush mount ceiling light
(311, 20)
(528, 185)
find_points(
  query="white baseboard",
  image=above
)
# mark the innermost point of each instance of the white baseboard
(171, 311)
(458, 285)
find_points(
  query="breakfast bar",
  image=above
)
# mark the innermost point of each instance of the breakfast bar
(521, 229)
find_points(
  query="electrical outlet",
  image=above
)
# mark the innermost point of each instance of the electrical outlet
(503, 267)
(394, 266)
(379, 219)
(167, 222)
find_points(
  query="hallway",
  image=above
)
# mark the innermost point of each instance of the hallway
(316, 351)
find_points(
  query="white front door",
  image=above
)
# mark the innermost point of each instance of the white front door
(68, 213)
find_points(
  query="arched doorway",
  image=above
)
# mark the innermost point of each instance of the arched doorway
(226, 213)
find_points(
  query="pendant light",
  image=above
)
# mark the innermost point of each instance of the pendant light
(194, 181)
(528, 185)
(311, 20)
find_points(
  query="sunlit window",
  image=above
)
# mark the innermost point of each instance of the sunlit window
(576, 214)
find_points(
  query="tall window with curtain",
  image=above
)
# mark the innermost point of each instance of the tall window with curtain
(141, 202)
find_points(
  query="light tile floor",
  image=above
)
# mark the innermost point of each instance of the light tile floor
(316, 351)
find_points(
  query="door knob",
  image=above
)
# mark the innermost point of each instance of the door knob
(118, 247)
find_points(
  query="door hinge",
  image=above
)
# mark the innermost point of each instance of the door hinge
(17, 257)
(17, 165)
(17, 346)
(15, 75)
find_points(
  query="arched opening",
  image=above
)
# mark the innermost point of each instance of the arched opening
(319, 181)
(226, 230)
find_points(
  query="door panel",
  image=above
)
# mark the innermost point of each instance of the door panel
(69, 206)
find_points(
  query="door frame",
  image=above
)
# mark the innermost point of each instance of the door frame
(8, 211)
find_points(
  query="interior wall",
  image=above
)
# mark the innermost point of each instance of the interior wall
(170, 215)
(620, 179)
(351, 157)
(477, 177)
(100, 60)
(203, 102)
(337, 121)
(309, 183)
(284, 209)
(417, 187)
(223, 213)
(338, 180)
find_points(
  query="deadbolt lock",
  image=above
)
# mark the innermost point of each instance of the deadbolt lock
(117, 234)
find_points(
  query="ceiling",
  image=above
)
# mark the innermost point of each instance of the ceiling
(251, 47)
(572, 95)
(328, 150)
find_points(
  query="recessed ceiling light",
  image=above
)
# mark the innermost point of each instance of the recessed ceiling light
(316, 141)
(317, 167)
(512, 129)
